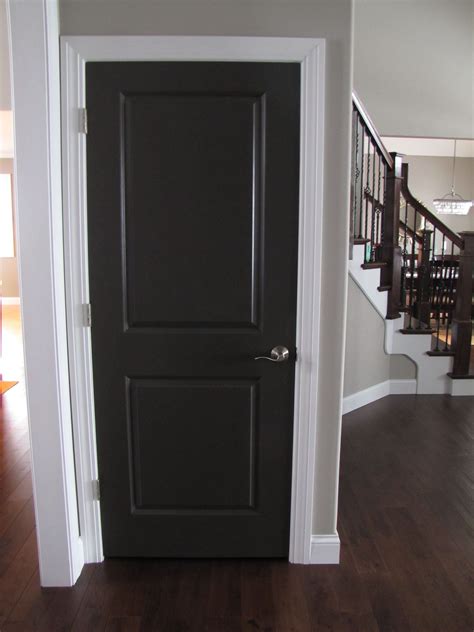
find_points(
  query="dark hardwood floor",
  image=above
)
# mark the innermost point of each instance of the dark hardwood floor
(405, 521)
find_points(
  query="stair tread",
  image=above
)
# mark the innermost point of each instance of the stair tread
(413, 331)
(384, 288)
(359, 241)
(374, 265)
(460, 377)
(439, 354)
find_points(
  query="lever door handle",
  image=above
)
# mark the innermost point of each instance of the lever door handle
(277, 354)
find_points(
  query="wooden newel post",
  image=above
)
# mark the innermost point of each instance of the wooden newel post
(423, 302)
(462, 321)
(390, 249)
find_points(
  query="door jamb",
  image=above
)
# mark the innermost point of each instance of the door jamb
(310, 53)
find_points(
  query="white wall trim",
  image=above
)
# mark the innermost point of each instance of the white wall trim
(377, 391)
(9, 300)
(325, 549)
(33, 36)
(461, 388)
(76, 51)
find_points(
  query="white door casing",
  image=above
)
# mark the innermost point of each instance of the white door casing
(63, 473)
(75, 52)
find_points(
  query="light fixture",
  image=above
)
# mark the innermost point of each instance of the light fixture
(452, 203)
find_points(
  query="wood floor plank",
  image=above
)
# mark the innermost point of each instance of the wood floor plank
(258, 606)
(292, 613)
(14, 581)
(31, 606)
(65, 604)
(224, 597)
(406, 522)
(14, 537)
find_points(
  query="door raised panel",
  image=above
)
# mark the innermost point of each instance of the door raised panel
(192, 445)
(192, 202)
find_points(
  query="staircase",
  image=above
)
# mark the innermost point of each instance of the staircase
(416, 272)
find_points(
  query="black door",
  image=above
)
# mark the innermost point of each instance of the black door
(192, 173)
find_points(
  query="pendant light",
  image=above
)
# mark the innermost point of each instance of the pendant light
(452, 203)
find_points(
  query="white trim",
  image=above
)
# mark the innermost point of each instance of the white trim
(33, 34)
(325, 549)
(461, 388)
(377, 391)
(366, 396)
(9, 300)
(76, 51)
(77, 295)
(308, 304)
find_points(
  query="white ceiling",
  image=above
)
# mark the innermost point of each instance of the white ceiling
(429, 146)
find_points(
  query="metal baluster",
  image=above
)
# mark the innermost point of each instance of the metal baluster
(367, 193)
(412, 273)
(432, 266)
(403, 288)
(437, 276)
(385, 169)
(379, 210)
(356, 168)
(441, 291)
(361, 197)
(450, 295)
(373, 211)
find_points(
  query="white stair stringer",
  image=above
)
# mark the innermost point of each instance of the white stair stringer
(431, 374)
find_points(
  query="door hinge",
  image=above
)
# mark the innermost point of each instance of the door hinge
(87, 315)
(96, 489)
(83, 126)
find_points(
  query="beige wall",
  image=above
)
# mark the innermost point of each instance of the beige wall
(402, 368)
(430, 177)
(8, 266)
(413, 62)
(293, 18)
(366, 362)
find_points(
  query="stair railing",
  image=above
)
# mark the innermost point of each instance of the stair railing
(426, 268)
(430, 270)
(370, 163)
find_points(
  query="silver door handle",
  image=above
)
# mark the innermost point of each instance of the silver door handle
(277, 354)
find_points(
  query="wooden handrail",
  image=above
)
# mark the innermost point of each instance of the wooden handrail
(427, 214)
(364, 115)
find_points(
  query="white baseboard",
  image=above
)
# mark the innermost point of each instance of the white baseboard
(367, 396)
(325, 549)
(377, 391)
(461, 388)
(10, 300)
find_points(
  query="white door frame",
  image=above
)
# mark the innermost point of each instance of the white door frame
(33, 29)
(309, 52)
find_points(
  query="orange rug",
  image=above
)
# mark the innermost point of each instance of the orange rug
(5, 386)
